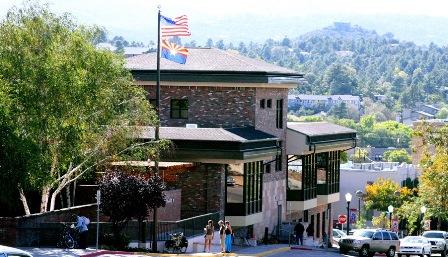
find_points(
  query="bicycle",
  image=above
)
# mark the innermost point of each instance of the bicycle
(177, 243)
(68, 237)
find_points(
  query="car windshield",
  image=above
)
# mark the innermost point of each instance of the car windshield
(433, 235)
(363, 233)
(416, 240)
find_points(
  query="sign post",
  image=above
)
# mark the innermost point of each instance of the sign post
(98, 201)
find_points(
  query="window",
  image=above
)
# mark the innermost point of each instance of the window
(305, 216)
(267, 167)
(278, 158)
(386, 235)
(179, 108)
(262, 103)
(244, 188)
(269, 103)
(377, 236)
(279, 117)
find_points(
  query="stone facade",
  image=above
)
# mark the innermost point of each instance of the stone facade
(202, 190)
(229, 106)
(209, 107)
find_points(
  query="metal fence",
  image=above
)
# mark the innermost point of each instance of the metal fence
(48, 233)
(190, 227)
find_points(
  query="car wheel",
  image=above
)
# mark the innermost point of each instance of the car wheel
(399, 255)
(364, 252)
(443, 254)
(390, 252)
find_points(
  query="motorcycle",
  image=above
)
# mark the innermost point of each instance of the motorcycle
(177, 243)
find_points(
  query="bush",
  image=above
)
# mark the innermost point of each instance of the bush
(118, 242)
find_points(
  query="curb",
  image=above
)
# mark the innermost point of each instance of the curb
(313, 249)
(99, 253)
(261, 254)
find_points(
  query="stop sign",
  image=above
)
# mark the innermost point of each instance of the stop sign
(342, 219)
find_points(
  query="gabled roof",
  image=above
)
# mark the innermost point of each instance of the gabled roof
(209, 60)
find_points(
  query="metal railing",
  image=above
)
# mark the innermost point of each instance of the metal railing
(190, 227)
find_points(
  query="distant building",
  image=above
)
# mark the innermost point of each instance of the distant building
(326, 101)
(419, 112)
(355, 176)
(127, 51)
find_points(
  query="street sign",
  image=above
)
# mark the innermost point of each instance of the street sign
(395, 225)
(342, 219)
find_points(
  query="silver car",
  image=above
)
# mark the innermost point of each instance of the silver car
(438, 240)
(414, 245)
(6, 251)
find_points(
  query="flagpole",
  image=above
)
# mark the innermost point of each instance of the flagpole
(157, 135)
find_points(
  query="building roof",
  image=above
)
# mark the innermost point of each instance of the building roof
(210, 60)
(208, 134)
(319, 128)
(326, 97)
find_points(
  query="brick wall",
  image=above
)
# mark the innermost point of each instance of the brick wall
(202, 190)
(209, 106)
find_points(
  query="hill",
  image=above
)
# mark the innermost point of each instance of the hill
(346, 59)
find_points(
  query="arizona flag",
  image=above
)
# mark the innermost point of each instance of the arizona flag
(174, 52)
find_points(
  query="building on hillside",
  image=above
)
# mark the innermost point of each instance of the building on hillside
(419, 112)
(355, 176)
(226, 114)
(322, 102)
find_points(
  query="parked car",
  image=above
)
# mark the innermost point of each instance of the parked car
(6, 251)
(438, 240)
(414, 245)
(367, 242)
(337, 235)
(230, 181)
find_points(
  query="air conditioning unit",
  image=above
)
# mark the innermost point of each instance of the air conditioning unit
(191, 125)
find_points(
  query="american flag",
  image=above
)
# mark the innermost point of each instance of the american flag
(174, 27)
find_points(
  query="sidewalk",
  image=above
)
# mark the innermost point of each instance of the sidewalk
(257, 251)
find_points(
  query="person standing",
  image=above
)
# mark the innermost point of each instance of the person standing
(209, 233)
(299, 229)
(310, 230)
(228, 232)
(222, 235)
(81, 225)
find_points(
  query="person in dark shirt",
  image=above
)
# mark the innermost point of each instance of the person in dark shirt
(299, 229)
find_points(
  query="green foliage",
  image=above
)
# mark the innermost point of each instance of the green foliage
(410, 211)
(381, 221)
(385, 192)
(364, 64)
(400, 155)
(312, 118)
(73, 104)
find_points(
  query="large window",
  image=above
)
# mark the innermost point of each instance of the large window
(278, 157)
(179, 108)
(279, 114)
(244, 188)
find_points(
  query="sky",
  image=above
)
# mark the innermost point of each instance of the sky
(136, 19)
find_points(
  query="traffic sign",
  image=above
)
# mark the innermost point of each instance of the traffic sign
(342, 219)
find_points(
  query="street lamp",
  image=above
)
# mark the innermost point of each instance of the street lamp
(422, 211)
(390, 208)
(348, 198)
(359, 194)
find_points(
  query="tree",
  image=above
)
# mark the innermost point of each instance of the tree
(433, 183)
(73, 104)
(125, 197)
(341, 79)
(400, 155)
(385, 192)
